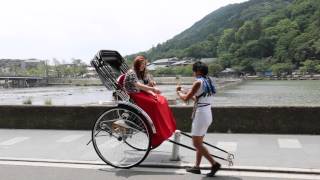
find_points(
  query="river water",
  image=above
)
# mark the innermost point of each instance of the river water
(249, 93)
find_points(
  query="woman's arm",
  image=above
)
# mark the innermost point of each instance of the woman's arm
(151, 82)
(147, 88)
(195, 87)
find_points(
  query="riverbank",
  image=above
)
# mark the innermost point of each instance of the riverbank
(288, 77)
(230, 93)
(220, 82)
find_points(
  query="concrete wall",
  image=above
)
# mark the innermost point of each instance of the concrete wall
(282, 120)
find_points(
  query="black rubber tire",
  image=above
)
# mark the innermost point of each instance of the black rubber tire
(134, 111)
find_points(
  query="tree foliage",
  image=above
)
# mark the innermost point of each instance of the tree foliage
(240, 35)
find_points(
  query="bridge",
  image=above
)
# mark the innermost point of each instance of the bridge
(22, 81)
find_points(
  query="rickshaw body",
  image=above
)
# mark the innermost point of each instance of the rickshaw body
(122, 135)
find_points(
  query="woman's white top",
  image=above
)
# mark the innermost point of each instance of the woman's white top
(203, 99)
(203, 115)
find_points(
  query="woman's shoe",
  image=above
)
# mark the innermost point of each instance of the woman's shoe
(214, 169)
(194, 170)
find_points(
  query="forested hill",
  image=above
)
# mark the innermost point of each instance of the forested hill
(251, 36)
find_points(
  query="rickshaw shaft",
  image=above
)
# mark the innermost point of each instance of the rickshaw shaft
(188, 147)
(206, 143)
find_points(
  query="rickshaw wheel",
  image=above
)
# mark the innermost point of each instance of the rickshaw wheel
(121, 137)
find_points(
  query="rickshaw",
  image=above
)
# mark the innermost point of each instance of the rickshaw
(122, 135)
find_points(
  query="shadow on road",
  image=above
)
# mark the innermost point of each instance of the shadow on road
(222, 178)
(129, 173)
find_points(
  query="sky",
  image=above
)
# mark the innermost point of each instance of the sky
(66, 29)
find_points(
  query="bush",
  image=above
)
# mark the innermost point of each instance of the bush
(27, 101)
(48, 102)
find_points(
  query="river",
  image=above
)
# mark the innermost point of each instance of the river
(249, 93)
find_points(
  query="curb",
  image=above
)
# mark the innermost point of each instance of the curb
(309, 171)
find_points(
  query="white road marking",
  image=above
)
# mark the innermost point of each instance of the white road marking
(13, 141)
(90, 166)
(100, 165)
(289, 143)
(110, 144)
(228, 146)
(163, 170)
(49, 164)
(70, 138)
(267, 175)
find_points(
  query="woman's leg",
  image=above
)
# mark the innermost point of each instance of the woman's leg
(201, 151)
(198, 158)
(196, 169)
(196, 141)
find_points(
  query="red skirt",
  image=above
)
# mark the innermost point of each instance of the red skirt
(160, 113)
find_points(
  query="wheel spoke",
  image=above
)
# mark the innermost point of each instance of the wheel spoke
(121, 138)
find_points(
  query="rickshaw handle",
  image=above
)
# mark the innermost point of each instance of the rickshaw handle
(204, 142)
(188, 147)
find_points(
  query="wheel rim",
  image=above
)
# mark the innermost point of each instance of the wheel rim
(121, 138)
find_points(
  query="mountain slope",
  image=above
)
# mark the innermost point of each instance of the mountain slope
(241, 35)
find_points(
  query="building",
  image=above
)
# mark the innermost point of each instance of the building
(183, 63)
(208, 60)
(162, 63)
(11, 66)
(91, 72)
(175, 62)
(228, 72)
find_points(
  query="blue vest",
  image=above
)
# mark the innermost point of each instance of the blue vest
(208, 86)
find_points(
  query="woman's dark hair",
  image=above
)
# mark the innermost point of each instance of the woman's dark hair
(201, 67)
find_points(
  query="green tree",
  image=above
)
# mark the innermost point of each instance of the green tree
(284, 26)
(225, 60)
(163, 71)
(57, 68)
(300, 47)
(226, 40)
(317, 68)
(316, 48)
(214, 69)
(246, 65)
(261, 66)
(310, 65)
(249, 31)
(272, 19)
(79, 68)
(284, 31)
(280, 69)
(282, 46)
(197, 50)
(302, 7)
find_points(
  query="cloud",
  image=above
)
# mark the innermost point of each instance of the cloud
(68, 29)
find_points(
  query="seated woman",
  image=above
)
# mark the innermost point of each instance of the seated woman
(142, 91)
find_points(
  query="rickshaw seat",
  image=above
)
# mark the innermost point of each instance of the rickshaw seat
(120, 80)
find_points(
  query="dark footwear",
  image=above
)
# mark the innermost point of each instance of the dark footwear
(214, 169)
(194, 170)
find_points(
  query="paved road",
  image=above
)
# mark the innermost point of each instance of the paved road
(285, 152)
(14, 170)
